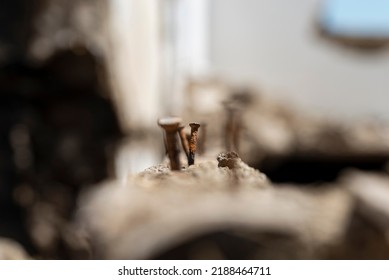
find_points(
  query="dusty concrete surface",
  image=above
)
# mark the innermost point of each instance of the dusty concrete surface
(158, 210)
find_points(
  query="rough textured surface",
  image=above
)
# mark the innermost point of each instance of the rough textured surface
(158, 210)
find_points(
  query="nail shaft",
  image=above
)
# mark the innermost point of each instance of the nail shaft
(170, 125)
(229, 128)
(232, 127)
(193, 142)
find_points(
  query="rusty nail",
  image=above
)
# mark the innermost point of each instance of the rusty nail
(170, 125)
(184, 140)
(230, 160)
(193, 142)
(232, 127)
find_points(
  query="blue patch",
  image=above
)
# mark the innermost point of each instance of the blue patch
(356, 18)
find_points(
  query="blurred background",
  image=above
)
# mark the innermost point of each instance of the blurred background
(83, 82)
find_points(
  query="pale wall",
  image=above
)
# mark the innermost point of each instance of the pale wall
(273, 44)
